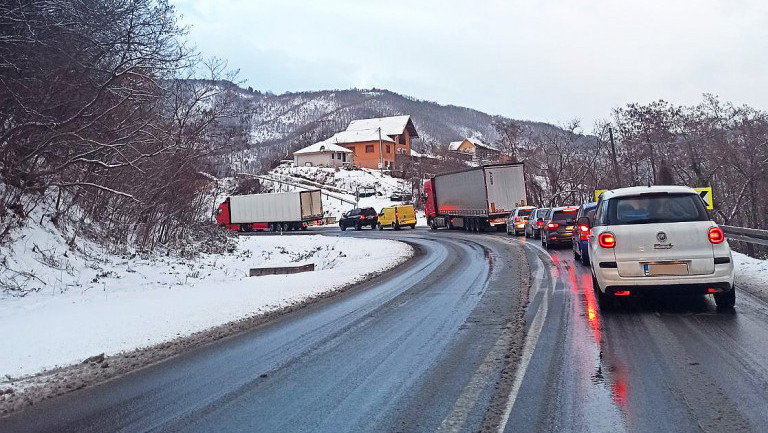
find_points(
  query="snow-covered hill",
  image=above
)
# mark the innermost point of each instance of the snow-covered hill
(284, 123)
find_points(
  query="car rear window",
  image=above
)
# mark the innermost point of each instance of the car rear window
(524, 212)
(656, 208)
(564, 216)
(541, 212)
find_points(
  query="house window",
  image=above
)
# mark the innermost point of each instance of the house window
(369, 148)
(389, 150)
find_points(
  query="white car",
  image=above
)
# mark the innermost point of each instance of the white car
(658, 238)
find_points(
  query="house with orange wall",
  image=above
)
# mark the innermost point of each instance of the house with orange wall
(377, 141)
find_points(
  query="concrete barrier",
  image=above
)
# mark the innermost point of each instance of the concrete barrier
(257, 272)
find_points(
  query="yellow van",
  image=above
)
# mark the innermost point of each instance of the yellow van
(397, 216)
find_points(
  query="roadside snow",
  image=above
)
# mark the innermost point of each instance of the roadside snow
(751, 275)
(367, 181)
(110, 304)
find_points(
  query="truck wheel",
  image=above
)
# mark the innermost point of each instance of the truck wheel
(304, 227)
(396, 226)
(380, 226)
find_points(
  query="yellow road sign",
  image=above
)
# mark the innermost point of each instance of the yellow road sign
(598, 192)
(706, 195)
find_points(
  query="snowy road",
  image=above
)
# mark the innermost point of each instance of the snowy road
(424, 348)
(650, 365)
(393, 354)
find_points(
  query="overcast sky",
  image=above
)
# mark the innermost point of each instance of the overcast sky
(551, 60)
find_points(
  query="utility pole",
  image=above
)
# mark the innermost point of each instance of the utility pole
(381, 154)
(613, 154)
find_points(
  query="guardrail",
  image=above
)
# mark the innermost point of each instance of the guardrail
(752, 236)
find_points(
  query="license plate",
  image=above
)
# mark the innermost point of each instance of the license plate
(569, 228)
(658, 269)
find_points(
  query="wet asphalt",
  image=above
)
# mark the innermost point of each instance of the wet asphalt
(430, 346)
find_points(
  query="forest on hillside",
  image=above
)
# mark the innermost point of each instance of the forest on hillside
(711, 144)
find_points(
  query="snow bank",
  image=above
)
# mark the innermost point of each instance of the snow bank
(86, 306)
(379, 185)
(751, 275)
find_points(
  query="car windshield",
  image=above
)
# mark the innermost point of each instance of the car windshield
(656, 208)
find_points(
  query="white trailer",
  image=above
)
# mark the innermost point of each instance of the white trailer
(278, 211)
(475, 198)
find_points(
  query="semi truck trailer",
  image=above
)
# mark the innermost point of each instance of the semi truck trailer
(475, 199)
(275, 212)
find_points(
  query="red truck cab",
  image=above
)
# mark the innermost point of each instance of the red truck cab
(223, 220)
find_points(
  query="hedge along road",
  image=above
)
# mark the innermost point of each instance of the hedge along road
(430, 346)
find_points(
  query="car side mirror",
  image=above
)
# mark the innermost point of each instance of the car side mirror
(584, 221)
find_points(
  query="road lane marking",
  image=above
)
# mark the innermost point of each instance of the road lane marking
(531, 338)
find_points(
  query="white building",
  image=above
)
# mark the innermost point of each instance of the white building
(324, 154)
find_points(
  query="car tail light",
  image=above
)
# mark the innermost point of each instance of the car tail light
(583, 232)
(621, 293)
(606, 240)
(518, 220)
(571, 210)
(716, 235)
(711, 290)
(362, 217)
(553, 225)
(539, 224)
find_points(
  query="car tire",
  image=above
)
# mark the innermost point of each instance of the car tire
(432, 224)
(381, 227)
(575, 254)
(725, 300)
(396, 226)
(358, 227)
(343, 227)
(584, 259)
(373, 226)
(413, 226)
(603, 299)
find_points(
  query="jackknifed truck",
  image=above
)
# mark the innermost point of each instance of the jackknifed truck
(274, 212)
(475, 199)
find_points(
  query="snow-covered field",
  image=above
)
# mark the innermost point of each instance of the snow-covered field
(380, 185)
(110, 304)
(751, 275)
